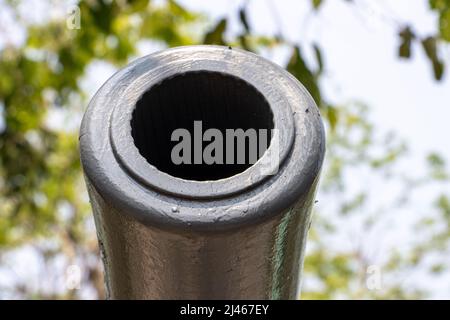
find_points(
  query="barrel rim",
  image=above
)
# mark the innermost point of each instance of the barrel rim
(127, 153)
(244, 202)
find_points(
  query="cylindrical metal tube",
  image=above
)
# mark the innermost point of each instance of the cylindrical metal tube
(201, 231)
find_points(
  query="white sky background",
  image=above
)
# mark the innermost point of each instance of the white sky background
(359, 44)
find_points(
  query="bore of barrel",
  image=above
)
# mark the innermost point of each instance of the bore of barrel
(218, 100)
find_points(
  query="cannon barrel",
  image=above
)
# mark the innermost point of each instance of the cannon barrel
(202, 225)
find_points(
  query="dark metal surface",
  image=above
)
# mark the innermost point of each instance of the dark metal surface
(162, 236)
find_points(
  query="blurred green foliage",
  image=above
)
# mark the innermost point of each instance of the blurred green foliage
(42, 197)
(429, 42)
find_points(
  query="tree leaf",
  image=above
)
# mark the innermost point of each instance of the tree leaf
(319, 59)
(406, 36)
(215, 36)
(444, 24)
(300, 70)
(443, 9)
(317, 3)
(332, 116)
(244, 20)
(430, 48)
(138, 5)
